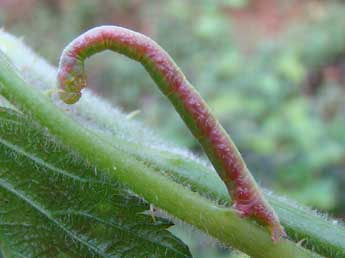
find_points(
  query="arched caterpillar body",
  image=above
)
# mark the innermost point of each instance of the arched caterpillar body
(247, 197)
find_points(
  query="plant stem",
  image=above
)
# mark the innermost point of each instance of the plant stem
(190, 207)
(326, 237)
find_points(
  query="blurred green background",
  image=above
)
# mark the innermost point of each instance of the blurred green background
(272, 71)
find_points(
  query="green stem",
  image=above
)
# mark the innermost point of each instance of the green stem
(324, 236)
(219, 222)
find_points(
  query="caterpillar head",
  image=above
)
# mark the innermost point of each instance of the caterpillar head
(71, 83)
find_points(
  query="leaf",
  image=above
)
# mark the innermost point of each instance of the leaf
(54, 204)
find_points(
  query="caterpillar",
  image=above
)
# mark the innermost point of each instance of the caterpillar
(248, 200)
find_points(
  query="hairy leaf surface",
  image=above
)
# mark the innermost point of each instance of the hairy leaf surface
(53, 203)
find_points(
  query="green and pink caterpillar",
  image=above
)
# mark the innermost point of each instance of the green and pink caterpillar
(226, 159)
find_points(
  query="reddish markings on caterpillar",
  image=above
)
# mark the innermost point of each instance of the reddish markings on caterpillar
(247, 197)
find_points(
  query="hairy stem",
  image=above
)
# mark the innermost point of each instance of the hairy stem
(224, 224)
(248, 200)
(322, 235)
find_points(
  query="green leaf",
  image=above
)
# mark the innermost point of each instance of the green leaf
(54, 204)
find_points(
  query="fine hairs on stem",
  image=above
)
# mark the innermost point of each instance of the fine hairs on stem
(223, 154)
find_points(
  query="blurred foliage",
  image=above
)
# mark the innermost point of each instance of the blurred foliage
(281, 98)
